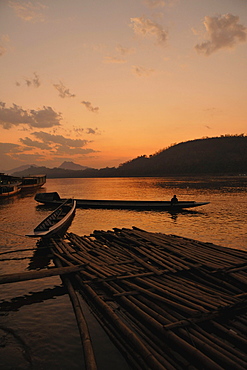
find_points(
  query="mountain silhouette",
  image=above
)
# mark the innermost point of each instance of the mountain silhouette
(72, 166)
(217, 156)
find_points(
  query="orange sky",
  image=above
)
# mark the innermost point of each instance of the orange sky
(102, 82)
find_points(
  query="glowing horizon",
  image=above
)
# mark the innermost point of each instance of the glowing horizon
(100, 84)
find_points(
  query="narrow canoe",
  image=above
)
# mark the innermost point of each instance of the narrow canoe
(54, 199)
(57, 222)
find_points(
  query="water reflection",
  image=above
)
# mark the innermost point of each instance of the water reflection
(222, 183)
(33, 297)
(41, 258)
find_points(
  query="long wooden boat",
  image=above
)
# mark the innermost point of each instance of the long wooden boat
(32, 182)
(57, 222)
(8, 190)
(54, 198)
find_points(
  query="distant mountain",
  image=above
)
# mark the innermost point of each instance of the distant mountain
(225, 155)
(49, 172)
(217, 155)
(72, 166)
(17, 169)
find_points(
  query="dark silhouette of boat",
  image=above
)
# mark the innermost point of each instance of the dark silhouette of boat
(8, 190)
(57, 222)
(32, 182)
(53, 198)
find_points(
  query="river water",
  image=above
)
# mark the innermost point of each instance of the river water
(37, 325)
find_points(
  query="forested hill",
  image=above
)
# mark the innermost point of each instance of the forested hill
(219, 156)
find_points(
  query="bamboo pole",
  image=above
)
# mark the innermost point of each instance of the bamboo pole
(171, 299)
(153, 344)
(215, 352)
(182, 295)
(82, 324)
(32, 275)
(195, 355)
(230, 335)
(198, 247)
(208, 299)
(199, 289)
(230, 351)
(126, 332)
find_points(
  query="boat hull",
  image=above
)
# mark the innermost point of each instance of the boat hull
(7, 191)
(54, 199)
(33, 182)
(57, 222)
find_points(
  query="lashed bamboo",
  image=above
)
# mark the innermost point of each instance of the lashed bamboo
(198, 289)
(178, 243)
(163, 287)
(196, 356)
(169, 354)
(207, 300)
(126, 332)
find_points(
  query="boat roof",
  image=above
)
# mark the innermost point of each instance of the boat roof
(32, 176)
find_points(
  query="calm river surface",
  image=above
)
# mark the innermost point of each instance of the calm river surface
(37, 325)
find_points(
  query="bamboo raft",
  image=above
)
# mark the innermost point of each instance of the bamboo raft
(167, 302)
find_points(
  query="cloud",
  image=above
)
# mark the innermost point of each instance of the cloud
(34, 81)
(63, 91)
(8, 148)
(123, 50)
(27, 158)
(65, 150)
(59, 139)
(59, 145)
(78, 130)
(92, 131)
(141, 71)
(154, 3)
(15, 116)
(223, 32)
(34, 144)
(45, 147)
(114, 60)
(13, 155)
(4, 40)
(88, 130)
(119, 59)
(28, 11)
(89, 106)
(2, 50)
(146, 28)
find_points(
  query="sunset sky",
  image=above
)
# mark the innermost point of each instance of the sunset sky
(102, 82)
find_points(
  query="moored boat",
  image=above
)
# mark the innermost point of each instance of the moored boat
(8, 190)
(31, 182)
(57, 222)
(54, 198)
